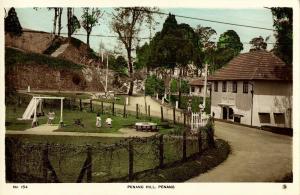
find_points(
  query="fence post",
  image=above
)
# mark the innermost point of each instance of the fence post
(149, 112)
(45, 162)
(137, 111)
(102, 111)
(174, 118)
(91, 105)
(161, 151)
(184, 146)
(130, 166)
(199, 142)
(113, 108)
(80, 105)
(89, 165)
(124, 112)
(161, 114)
(19, 101)
(8, 160)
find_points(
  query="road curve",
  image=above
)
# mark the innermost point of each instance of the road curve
(256, 156)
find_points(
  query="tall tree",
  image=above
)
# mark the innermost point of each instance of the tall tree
(259, 43)
(206, 45)
(60, 10)
(90, 18)
(73, 23)
(283, 23)
(228, 46)
(12, 24)
(127, 22)
(176, 45)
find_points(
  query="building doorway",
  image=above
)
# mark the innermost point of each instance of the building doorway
(225, 113)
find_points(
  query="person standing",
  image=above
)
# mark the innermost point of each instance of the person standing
(98, 120)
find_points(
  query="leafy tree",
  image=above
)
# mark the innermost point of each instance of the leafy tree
(228, 46)
(143, 57)
(173, 86)
(283, 23)
(184, 88)
(230, 40)
(154, 85)
(73, 22)
(259, 43)
(120, 65)
(12, 24)
(207, 46)
(177, 45)
(90, 18)
(127, 22)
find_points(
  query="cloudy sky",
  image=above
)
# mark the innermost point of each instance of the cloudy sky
(42, 20)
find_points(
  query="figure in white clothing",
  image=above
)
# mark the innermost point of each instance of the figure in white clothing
(51, 116)
(98, 120)
(108, 122)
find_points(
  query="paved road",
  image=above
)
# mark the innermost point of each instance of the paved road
(257, 156)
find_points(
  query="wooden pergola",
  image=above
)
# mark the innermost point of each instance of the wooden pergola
(36, 98)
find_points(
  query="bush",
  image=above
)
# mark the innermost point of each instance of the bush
(209, 129)
(173, 86)
(154, 85)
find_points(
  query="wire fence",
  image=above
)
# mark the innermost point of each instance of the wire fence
(121, 161)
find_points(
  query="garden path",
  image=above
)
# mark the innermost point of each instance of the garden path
(256, 156)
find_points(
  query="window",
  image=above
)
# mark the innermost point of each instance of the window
(279, 118)
(245, 87)
(193, 89)
(224, 86)
(264, 117)
(234, 87)
(216, 86)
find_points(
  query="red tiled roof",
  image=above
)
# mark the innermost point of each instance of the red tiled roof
(198, 82)
(255, 65)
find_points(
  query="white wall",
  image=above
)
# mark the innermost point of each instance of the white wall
(272, 97)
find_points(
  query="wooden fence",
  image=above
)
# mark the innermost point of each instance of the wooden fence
(98, 163)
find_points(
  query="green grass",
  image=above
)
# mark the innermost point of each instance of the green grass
(15, 57)
(87, 118)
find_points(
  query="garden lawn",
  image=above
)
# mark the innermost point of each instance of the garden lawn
(88, 119)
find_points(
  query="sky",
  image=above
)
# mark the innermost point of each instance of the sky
(41, 19)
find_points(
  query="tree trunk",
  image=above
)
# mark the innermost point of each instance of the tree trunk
(130, 70)
(69, 15)
(55, 20)
(60, 10)
(88, 39)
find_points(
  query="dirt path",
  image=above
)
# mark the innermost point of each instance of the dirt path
(257, 156)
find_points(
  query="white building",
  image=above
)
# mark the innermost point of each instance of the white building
(197, 87)
(255, 89)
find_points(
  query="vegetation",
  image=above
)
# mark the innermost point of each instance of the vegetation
(73, 23)
(127, 22)
(195, 101)
(154, 85)
(259, 43)
(12, 24)
(180, 172)
(15, 57)
(90, 18)
(283, 23)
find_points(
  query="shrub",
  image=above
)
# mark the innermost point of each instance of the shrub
(154, 85)
(210, 131)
